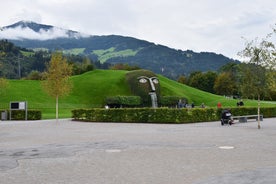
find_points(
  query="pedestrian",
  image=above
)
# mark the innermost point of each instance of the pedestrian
(180, 104)
(219, 105)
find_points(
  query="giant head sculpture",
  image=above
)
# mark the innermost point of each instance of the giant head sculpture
(143, 83)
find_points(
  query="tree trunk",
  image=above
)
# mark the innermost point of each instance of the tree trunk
(259, 126)
(56, 108)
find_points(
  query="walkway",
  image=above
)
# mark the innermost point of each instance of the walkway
(47, 152)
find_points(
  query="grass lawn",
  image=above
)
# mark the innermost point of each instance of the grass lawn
(91, 89)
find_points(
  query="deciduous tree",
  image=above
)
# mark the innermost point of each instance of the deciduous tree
(57, 82)
(261, 56)
(224, 84)
(3, 85)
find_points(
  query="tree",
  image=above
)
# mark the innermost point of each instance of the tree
(35, 75)
(181, 79)
(3, 85)
(224, 84)
(210, 78)
(271, 74)
(271, 83)
(203, 81)
(57, 82)
(123, 66)
(261, 56)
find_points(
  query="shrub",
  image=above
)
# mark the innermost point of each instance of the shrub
(172, 101)
(239, 111)
(20, 115)
(145, 115)
(161, 115)
(123, 101)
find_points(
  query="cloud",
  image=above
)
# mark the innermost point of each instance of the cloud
(20, 33)
(200, 25)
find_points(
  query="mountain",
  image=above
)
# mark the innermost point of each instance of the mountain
(28, 30)
(31, 25)
(114, 49)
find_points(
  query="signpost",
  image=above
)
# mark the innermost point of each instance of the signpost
(19, 106)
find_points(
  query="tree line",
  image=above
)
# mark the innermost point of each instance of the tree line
(234, 80)
(18, 63)
(254, 78)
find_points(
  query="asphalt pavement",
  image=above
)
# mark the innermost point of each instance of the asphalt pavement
(72, 152)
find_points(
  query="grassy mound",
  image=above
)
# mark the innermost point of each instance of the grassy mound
(91, 89)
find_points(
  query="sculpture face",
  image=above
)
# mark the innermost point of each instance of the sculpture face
(152, 81)
(143, 83)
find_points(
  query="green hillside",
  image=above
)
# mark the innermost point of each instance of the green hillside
(90, 90)
(112, 49)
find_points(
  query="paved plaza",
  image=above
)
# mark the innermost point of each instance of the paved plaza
(71, 152)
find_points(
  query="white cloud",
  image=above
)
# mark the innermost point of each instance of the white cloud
(200, 25)
(19, 33)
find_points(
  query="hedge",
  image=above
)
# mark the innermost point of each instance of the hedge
(145, 115)
(20, 115)
(162, 115)
(172, 101)
(124, 101)
(267, 112)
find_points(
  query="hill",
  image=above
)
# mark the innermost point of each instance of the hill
(114, 49)
(91, 89)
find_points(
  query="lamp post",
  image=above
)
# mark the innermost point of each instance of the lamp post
(152, 81)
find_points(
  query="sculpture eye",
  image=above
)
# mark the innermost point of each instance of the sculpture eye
(155, 81)
(142, 80)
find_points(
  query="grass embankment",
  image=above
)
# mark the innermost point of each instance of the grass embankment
(91, 89)
(173, 88)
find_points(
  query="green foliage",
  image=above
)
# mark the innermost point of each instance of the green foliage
(182, 79)
(18, 62)
(271, 80)
(104, 55)
(57, 82)
(81, 65)
(119, 49)
(203, 81)
(20, 114)
(225, 84)
(4, 84)
(162, 115)
(145, 115)
(74, 51)
(8, 48)
(57, 78)
(261, 57)
(267, 112)
(91, 89)
(123, 101)
(171, 101)
(142, 89)
(121, 66)
(35, 75)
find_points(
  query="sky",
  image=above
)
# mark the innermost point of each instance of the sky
(220, 26)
